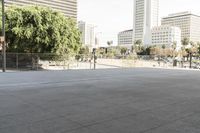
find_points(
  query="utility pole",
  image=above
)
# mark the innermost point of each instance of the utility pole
(3, 34)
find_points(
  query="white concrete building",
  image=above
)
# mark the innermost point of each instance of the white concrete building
(67, 7)
(146, 16)
(166, 36)
(125, 38)
(187, 22)
(87, 34)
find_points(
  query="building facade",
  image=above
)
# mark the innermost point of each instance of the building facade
(187, 22)
(125, 38)
(146, 16)
(67, 7)
(87, 34)
(166, 36)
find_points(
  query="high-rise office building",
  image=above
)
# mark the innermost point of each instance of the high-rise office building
(125, 38)
(87, 34)
(146, 16)
(67, 7)
(166, 36)
(187, 22)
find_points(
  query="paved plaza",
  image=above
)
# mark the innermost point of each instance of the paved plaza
(136, 100)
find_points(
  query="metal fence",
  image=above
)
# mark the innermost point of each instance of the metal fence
(46, 61)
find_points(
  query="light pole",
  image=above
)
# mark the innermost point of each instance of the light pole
(95, 57)
(3, 34)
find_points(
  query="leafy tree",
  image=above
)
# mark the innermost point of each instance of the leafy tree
(83, 52)
(148, 50)
(40, 30)
(198, 48)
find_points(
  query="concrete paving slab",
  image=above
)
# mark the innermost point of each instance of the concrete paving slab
(102, 101)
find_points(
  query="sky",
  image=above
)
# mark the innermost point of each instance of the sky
(113, 16)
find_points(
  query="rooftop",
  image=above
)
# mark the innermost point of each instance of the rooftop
(180, 14)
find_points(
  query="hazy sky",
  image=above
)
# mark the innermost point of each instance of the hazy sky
(113, 16)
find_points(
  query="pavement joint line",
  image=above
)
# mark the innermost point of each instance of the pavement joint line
(76, 80)
(167, 123)
(43, 83)
(41, 108)
(125, 116)
(32, 122)
(78, 129)
(154, 100)
(99, 122)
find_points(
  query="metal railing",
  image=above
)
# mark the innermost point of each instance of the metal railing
(47, 61)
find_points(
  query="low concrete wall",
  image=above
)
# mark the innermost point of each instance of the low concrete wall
(101, 64)
(130, 63)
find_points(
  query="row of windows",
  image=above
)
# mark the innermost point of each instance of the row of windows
(69, 7)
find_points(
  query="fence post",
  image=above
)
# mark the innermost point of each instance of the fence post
(17, 63)
(37, 62)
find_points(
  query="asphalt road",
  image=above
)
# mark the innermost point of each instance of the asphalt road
(101, 101)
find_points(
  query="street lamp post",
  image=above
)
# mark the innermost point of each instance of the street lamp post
(3, 34)
(95, 58)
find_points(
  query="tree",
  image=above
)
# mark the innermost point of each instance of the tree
(0, 21)
(83, 52)
(185, 42)
(198, 48)
(174, 45)
(109, 43)
(163, 46)
(123, 50)
(138, 46)
(148, 50)
(40, 30)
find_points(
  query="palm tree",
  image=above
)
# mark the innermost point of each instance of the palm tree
(109, 43)
(137, 45)
(138, 42)
(163, 46)
(174, 46)
(192, 43)
(123, 50)
(185, 41)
